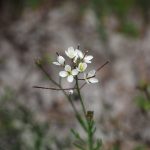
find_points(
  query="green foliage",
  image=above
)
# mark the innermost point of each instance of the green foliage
(140, 147)
(90, 143)
(116, 147)
(143, 100)
(19, 130)
(122, 9)
(32, 3)
(79, 143)
(46, 59)
(130, 29)
(7, 131)
(7, 95)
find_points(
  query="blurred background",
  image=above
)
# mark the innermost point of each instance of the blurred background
(114, 30)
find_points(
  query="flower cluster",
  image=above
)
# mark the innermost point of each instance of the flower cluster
(79, 62)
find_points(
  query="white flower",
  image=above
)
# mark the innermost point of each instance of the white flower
(60, 61)
(79, 54)
(70, 92)
(68, 73)
(71, 53)
(90, 77)
(82, 67)
(88, 58)
(84, 58)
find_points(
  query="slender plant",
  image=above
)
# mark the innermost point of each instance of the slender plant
(75, 72)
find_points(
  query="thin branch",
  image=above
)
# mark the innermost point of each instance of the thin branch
(38, 63)
(87, 78)
(57, 53)
(102, 66)
(83, 85)
(51, 88)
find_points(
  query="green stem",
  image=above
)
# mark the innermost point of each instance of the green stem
(89, 123)
(78, 117)
(80, 97)
(147, 94)
(90, 136)
(90, 143)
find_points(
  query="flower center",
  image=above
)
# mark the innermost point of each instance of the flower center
(69, 72)
(81, 67)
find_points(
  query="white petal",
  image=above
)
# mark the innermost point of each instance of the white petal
(91, 73)
(88, 58)
(70, 49)
(71, 52)
(70, 78)
(85, 78)
(71, 55)
(87, 61)
(66, 53)
(61, 60)
(79, 53)
(74, 72)
(67, 68)
(84, 66)
(56, 63)
(87, 81)
(75, 59)
(63, 73)
(93, 80)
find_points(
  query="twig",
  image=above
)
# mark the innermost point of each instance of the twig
(102, 66)
(83, 85)
(87, 78)
(51, 88)
(38, 63)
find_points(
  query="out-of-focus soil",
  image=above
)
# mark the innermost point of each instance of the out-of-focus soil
(42, 33)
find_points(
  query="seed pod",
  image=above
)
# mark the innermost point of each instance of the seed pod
(90, 115)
